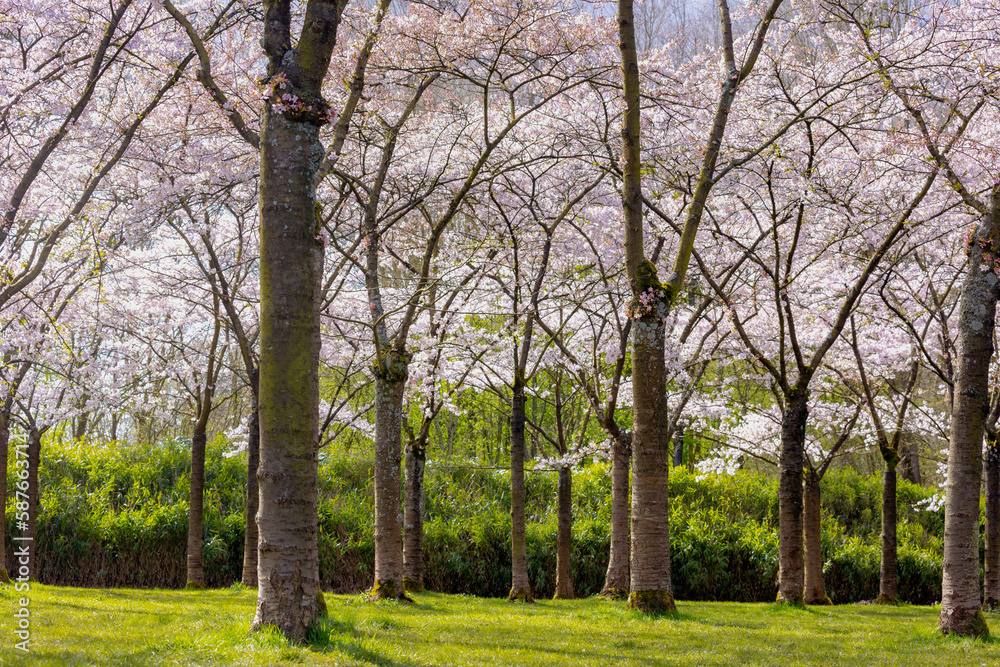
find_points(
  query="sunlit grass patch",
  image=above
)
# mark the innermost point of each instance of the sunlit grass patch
(157, 627)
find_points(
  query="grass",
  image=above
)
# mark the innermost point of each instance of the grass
(74, 626)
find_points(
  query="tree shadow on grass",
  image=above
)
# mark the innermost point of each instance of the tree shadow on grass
(332, 634)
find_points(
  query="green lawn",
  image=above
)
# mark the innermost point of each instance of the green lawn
(73, 626)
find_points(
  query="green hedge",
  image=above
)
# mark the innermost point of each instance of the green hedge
(117, 516)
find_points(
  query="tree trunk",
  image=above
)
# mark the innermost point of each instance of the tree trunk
(4, 442)
(388, 452)
(909, 464)
(564, 539)
(520, 587)
(991, 583)
(960, 593)
(815, 592)
(679, 446)
(80, 432)
(616, 580)
(30, 535)
(195, 565)
(249, 578)
(413, 519)
(888, 578)
(288, 551)
(792, 459)
(650, 588)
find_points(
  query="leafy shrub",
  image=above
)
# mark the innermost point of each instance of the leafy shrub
(117, 516)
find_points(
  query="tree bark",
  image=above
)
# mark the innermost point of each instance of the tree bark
(520, 587)
(413, 519)
(250, 535)
(80, 430)
(195, 564)
(909, 464)
(388, 452)
(650, 585)
(815, 591)
(30, 535)
(679, 446)
(991, 560)
(288, 550)
(790, 534)
(960, 592)
(291, 267)
(4, 442)
(888, 579)
(564, 538)
(616, 580)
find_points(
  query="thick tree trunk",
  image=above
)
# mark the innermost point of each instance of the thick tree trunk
(30, 535)
(413, 519)
(290, 263)
(520, 586)
(792, 459)
(888, 579)
(650, 586)
(195, 564)
(960, 593)
(388, 453)
(250, 535)
(815, 592)
(564, 538)
(616, 580)
(991, 560)
(4, 442)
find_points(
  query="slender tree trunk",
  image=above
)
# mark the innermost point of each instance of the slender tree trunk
(250, 535)
(888, 579)
(288, 550)
(115, 418)
(4, 442)
(960, 592)
(564, 538)
(195, 565)
(80, 432)
(790, 535)
(679, 446)
(34, 458)
(616, 580)
(413, 519)
(815, 592)
(649, 571)
(909, 464)
(991, 583)
(650, 586)
(520, 588)
(388, 453)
